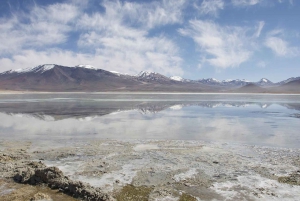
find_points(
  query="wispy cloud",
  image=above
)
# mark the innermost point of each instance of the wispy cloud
(210, 7)
(260, 26)
(157, 13)
(291, 2)
(224, 47)
(245, 2)
(279, 46)
(43, 26)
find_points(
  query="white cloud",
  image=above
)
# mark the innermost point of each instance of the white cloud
(144, 15)
(45, 26)
(280, 46)
(223, 46)
(261, 25)
(290, 1)
(245, 2)
(116, 39)
(123, 47)
(210, 7)
(277, 45)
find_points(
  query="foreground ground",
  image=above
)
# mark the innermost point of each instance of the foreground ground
(146, 170)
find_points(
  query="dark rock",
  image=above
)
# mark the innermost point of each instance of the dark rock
(36, 173)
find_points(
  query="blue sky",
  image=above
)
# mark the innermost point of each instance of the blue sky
(224, 39)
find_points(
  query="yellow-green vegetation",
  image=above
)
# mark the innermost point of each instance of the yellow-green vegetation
(134, 193)
(293, 179)
(187, 197)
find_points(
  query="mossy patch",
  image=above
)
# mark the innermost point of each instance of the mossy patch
(293, 179)
(187, 197)
(134, 193)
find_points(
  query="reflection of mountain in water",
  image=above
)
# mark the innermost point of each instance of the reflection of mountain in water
(50, 111)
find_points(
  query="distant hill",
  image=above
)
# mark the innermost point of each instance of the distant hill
(290, 87)
(250, 88)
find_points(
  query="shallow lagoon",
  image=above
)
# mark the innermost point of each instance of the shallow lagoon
(271, 120)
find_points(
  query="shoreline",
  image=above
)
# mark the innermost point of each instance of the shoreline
(146, 92)
(161, 169)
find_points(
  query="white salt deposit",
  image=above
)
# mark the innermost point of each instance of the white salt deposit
(185, 175)
(257, 188)
(145, 147)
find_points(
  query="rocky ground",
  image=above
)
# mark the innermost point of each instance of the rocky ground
(146, 170)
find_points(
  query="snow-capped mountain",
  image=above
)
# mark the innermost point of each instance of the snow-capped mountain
(52, 77)
(37, 69)
(210, 81)
(224, 83)
(236, 83)
(264, 82)
(288, 80)
(45, 67)
(152, 76)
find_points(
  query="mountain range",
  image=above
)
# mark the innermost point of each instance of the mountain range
(57, 78)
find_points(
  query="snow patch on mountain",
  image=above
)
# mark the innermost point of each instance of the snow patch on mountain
(115, 72)
(37, 69)
(143, 74)
(118, 73)
(264, 80)
(177, 78)
(209, 80)
(86, 66)
(45, 68)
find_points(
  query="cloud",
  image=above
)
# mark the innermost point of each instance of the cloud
(261, 25)
(277, 45)
(144, 15)
(280, 46)
(114, 39)
(210, 7)
(124, 46)
(49, 25)
(244, 3)
(291, 2)
(43, 26)
(224, 47)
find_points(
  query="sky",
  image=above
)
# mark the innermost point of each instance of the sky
(194, 39)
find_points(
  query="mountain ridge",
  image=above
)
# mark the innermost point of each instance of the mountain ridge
(53, 77)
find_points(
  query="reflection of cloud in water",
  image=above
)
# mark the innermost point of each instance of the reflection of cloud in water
(188, 123)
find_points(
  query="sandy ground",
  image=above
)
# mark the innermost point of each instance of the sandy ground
(155, 170)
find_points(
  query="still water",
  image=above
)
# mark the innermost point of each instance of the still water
(270, 120)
